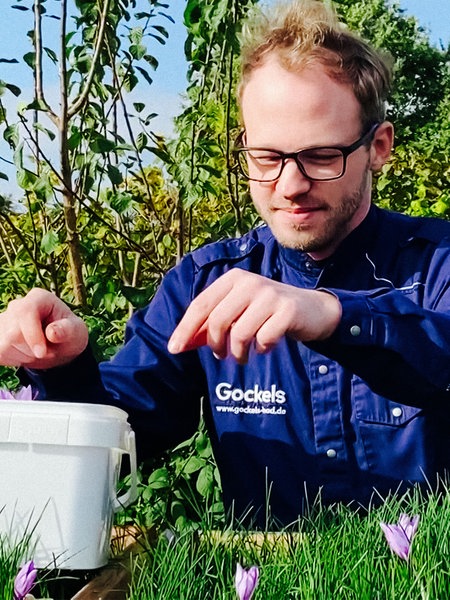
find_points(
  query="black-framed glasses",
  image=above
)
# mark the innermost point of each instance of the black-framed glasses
(321, 163)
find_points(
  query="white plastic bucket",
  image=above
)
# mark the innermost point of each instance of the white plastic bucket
(59, 467)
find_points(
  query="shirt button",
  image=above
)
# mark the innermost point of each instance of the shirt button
(355, 330)
(323, 369)
(397, 412)
(331, 453)
(243, 247)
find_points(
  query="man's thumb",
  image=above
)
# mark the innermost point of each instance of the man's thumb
(68, 330)
(59, 331)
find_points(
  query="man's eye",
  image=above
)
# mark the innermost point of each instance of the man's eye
(322, 157)
(265, 158)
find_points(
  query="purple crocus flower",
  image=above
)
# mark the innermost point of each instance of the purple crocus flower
(23, 393)
(24, 580)
(399, 537)
(246, 581)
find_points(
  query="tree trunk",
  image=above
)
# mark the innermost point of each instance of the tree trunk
(69, 200)
(73, 243)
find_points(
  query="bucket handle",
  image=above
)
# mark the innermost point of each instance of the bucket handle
(131, 494)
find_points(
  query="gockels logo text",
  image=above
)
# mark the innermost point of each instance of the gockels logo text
(254, 400)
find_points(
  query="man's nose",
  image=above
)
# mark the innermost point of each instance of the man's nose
(292, 181)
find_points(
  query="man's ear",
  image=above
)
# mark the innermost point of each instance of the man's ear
(380, 150)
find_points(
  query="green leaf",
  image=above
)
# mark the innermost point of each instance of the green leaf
(25, 179)
(177, 510)
(130, 81)
(144, 74)
(135, 35)
(193, 464)
(142, 15)
(161, 249)
(159, 479)
(74, 139)
(18, 156)
(37, 105)
(141, 141)
(43, 187)
(161, 30)
(167, 241)
(161, 40)
(152, 61)
(203, 445)
(13, 89)
(11, 135)
(101, 145)
(121, 202)
(149, 118)
(49, 242)
(138, 51)
(181, 523)
(208, 187)
(48, 132)
(205, 481)
(138, 297)
(30, 59)
(52, 55)
(162, 154)
(114, 174)
(109, 301)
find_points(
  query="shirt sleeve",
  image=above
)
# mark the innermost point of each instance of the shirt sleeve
(160, 392)
(398, 346)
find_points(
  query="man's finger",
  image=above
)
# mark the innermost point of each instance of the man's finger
(190, 332)
(177, 344)
(70, 330)
(33, 334)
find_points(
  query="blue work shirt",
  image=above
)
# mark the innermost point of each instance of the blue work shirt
(367, 409)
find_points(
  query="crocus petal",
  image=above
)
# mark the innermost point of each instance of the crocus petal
(399, 537)
(409, 525)
(24, 580)
(246, 581)
(396, 539)
(23, 393)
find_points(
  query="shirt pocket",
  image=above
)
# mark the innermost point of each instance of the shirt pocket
(390, 437)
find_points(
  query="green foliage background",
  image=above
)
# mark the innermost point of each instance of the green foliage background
(102, 223)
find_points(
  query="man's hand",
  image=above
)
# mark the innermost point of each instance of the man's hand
(39, 332)
(242, 308)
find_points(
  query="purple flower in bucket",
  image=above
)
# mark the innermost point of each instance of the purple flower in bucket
(246, 581)
(399, 537)
(24, 580)
(23, 393)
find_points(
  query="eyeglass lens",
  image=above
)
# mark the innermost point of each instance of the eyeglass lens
(320, 164)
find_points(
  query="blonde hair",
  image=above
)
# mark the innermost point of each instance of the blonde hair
(305, 32)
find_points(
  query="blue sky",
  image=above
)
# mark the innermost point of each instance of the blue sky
(434, 15)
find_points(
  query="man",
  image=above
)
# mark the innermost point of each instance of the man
(320, 342)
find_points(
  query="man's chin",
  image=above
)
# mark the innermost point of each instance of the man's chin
(297, 241)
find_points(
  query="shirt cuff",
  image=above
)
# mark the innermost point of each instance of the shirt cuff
(356, 326)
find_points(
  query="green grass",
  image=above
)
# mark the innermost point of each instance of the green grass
(13, 553)
(332, 553)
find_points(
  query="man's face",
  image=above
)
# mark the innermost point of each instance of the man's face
(288, 112)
